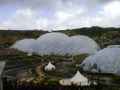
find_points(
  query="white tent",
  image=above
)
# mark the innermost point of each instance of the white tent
(2, 65)
(50, 67)
(79, 79)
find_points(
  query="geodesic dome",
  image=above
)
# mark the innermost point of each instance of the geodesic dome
(105, 61)
(52, 43)
(113, 46)
(82, 44)
(26, 45)
(58, 43)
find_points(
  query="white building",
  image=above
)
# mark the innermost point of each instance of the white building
(29, 54)
(50, 67)
(65, 82)
(113, 46)
(2, 65)
(78, 79)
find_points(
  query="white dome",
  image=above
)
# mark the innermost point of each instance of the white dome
(113, 46)
(26, 45)
(52, 43)
(82, 44)
(49, 67)
(58, 43)
(54, 35)
(106, 61)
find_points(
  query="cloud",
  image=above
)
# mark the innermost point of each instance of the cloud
(111, 9)
(25, 19)
(60, 14)
(58, 43)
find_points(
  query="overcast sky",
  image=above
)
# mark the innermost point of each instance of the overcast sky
(58, 14)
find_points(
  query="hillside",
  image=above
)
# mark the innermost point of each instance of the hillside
(104, 36)
(19, 63)
(8, 37)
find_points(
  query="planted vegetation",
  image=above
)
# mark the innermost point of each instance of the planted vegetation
(66, 65)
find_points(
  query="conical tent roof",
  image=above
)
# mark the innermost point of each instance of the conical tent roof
(79, 79)
(50, 67)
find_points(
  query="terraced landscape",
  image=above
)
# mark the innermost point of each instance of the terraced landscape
(20, 65)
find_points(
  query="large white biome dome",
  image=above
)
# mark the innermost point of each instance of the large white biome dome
(82, 44)
(113, 46)
(26, 45)
(52, 43)
(105, 61)
(58, 43)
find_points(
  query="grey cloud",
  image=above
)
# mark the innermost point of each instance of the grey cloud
(55, 5)
(62, 13)
(52, 3)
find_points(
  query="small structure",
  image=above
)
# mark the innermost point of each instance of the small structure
(2, 66)
(65, 82)
(29, 54)
(79, 79)
(50, 67)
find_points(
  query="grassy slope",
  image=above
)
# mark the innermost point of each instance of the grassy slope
(8, 37)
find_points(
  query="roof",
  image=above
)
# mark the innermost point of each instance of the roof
(79, 77)
(50, 66)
